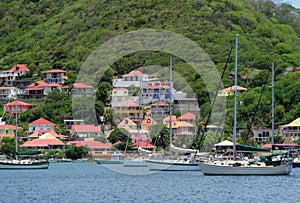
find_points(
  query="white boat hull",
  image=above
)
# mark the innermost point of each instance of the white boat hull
(171, 165)
(23, 165)
(216, 169)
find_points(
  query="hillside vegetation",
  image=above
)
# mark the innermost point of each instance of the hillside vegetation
(61, 34)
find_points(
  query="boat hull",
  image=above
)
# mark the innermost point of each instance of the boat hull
(296, 164)
(19, 165)
(135, 163)
(104, 161)
(212, 169)
(170, 165)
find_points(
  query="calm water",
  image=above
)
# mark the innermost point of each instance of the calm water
(90, 182)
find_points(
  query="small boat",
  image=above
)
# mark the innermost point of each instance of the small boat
(23, 164)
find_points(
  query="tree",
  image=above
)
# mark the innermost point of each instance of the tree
(102, 93)
(8, 146)
(119, 134)
(73, 152)
(160, 135)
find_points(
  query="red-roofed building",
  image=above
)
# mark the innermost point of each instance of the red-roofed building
(132, 78)
(188, 117)
(12, 108)
(8, 130)
(147, 123)
(85, 131)
(40, 124)
(36, 134)
(55, 76)
(21, 68)
(145, 143)
(154, 92)
(8, 76)
(95, 148)
(45, 142)
(128, 109)
(159, 110)
(80, 89)
(40, 89)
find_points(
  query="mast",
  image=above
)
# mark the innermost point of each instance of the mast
(273, 110)
(16, 114)
(139, 116)
(235, 95)
(170, 105)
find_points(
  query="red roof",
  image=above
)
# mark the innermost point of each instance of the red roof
(22, 67)
(81, 85)
(134, 73)
(91, 144)
(7, 126)
(86, 128)
(41, 121)
(44, 84)
(42, 143)
(20, 103)
(160, 103)
(156, 87)
(36, 134)
(187, 116)
(55, 71)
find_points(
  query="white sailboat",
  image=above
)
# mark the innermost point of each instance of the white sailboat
(138, 161)
(242, 167)
(22, 164)
(181, 164)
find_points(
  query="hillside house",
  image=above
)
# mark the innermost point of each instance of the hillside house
(131, 79)
(55, 76)
(8, 76)
(85, 131)
(291, 131)
(16, 107)
(40, 124)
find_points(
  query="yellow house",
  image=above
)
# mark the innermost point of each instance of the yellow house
(291, 131)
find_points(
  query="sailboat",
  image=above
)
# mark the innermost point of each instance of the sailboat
(184, 164)
(22, 164)
(138, 161)
(243, 167)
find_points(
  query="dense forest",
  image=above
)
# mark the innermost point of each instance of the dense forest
(52, 34)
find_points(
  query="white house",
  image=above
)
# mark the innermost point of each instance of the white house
(40, 124)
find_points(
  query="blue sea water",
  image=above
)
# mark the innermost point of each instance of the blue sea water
(90, 182)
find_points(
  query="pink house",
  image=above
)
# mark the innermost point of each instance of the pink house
(17, 107)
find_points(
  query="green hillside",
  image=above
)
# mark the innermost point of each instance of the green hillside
(61, 34)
